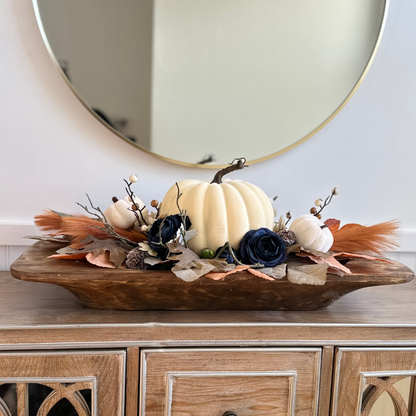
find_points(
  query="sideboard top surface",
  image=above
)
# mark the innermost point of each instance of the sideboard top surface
(33, 304)
(43, 316)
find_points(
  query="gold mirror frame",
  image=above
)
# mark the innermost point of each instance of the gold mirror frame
(195, 165)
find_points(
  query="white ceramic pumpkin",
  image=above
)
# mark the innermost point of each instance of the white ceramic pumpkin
(311, 233)
(220, 211)
(119, 214)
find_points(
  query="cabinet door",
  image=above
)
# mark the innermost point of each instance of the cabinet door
(374, 382)
(246, 382)
(62, 383)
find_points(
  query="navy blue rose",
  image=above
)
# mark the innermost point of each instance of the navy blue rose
(164, 230)
(262, 246)
(226, 255)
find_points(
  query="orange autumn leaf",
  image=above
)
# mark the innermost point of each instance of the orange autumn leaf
(361, 256)
(325, 258)
(258, 273)
(333, 224)
(255, 272)
(101, 260)
(221, 275)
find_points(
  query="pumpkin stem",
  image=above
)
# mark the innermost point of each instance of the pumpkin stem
(324, 226)
(240, 163)
(114, 199)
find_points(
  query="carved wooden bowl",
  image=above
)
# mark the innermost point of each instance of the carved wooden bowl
(125, 289)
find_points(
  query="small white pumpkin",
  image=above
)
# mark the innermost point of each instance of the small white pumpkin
(220, 212)
(119, 214)
(311, 233)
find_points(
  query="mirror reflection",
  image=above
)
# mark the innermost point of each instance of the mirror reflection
(202, 81)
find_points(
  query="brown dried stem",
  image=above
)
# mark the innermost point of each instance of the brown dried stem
(183, 215)
(326, 202)
(106, 226)
(240, 163)
(231, 250)
(130, 193)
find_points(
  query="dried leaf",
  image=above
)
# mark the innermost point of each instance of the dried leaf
(153, 261)
(280, 225)
(145, 247)
(333, 224)
(193, 272)
(296, 248)
(277, 272)
(98, 247)
(325, 258)
(190, 267)
(319, 258)
(102, 260)
(307, 274)
(74, 256)
(190, 234)
(219, 276)
(361, 256)
(258, 273)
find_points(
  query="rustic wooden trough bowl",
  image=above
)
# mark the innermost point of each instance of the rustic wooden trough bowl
(125, 289)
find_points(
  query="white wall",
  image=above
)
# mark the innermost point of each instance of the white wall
(53, 151)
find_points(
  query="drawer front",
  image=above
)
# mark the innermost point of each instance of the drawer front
(248, 382)
(84, 383)
(374, 381)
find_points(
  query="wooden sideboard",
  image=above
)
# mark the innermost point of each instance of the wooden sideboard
(340, 361)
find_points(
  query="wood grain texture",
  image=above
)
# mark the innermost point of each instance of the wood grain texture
(325, 384)
(250, 396)
(211, 382)
(132, 382)
(107, 367)
(348, 378)
(123, 289)
(48, 316)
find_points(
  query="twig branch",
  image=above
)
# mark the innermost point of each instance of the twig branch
(327, 201)
(106, 226)
(130, 193)
(183, 215)
(289, 217)
(230, 249)
(160, 233)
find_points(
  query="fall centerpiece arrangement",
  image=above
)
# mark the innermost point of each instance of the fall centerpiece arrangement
(213, 230)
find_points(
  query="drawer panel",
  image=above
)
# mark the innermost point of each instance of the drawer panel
(369, 381)
(249, 382)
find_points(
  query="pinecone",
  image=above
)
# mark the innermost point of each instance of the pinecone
(287, 236)
(135, 259)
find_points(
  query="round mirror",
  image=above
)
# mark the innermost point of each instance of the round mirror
(205, 81)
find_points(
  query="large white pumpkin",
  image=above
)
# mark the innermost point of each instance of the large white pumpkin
(311, 233)
(220, 212)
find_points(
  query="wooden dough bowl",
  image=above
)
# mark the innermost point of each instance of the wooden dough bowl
(124, 289)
